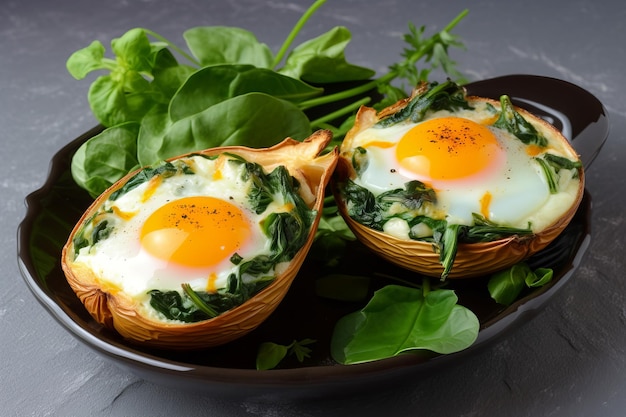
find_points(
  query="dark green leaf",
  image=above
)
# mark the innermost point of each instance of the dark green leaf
(550, 175)
(270, 355)
(512, 121)
(311, 60)
(539, 277)
(227, 45)
(445, 96)
(400, 319)
(254, 119)
(214, 84)
(485, 230)
(111, 104)
(448, 246)
(505, 286)
(164, 170)
(105, 158)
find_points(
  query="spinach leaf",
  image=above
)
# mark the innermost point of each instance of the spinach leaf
(560, 162)
(260, 194)
(362, 205)
(512, 121)
(310, 61)
(448, 246)
(551, 165)
(374, 211)
(505, 286)
(227, 45)
(253, 119)
(214, 84)
(271, 354)
(124, 94)
(485, 230)
(166, 169)
(401, 319)
(176, 307)
(88, 59)
(551, 176)
(445, 96)
(105, 158)
(413, 196)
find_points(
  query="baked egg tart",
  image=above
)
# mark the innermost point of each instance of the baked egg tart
(200, 249)
(456, 186)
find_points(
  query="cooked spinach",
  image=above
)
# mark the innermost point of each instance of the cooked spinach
(512, 121)
(373, 211)
(445, 96)
(484, 230)
(551, 165)
(165, 169)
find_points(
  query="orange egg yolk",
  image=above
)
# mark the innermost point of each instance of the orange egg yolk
(447, 148)
(195, 231)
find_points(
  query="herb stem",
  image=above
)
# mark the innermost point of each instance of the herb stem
(199, 302)
(351, 92)
(295, 31)
(173, 46)
(344, 110)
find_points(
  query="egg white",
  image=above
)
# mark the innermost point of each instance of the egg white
(120, 259)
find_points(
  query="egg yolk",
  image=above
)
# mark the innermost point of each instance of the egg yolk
(447, 148)
(195, 231)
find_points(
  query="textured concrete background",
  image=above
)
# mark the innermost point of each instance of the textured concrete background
(569, 361)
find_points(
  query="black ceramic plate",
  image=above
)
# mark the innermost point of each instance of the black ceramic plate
(229, 369)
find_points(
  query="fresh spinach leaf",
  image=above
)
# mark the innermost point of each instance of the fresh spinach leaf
(253, 119)
(505, 286)
(227, 45)
(311, 60)
(88, 59)
(105, 158)
(401, 319)
(214, 84)
(539, 277)
(271, 354)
